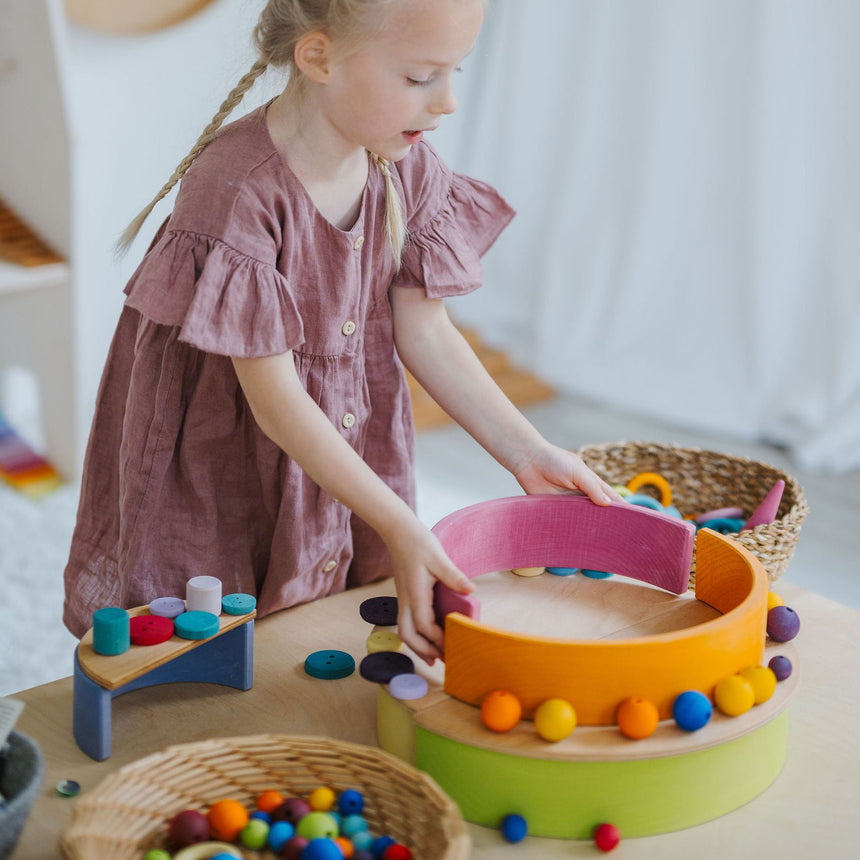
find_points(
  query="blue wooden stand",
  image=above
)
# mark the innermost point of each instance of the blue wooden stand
(227, 659)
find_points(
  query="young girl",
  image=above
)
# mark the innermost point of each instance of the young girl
(253, 420)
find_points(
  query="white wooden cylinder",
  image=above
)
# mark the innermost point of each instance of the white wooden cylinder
(203, 594)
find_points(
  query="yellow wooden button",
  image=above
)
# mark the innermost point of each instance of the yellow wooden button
(528, 571)
(329, 566)
(348, 327)
(358, 242)
(348, 420)
(383, 640)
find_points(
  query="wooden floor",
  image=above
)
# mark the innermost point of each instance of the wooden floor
(521, 387)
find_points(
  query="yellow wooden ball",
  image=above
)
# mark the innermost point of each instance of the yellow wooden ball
(773, 599)
(321, 799)
(554, 720)
(734, 695)
(762, 680)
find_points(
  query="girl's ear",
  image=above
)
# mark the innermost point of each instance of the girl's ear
(313, 56)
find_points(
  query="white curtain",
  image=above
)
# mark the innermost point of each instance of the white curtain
(688, 239)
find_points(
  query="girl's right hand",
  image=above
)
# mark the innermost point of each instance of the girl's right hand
(418, 561)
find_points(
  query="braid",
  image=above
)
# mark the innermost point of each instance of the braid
(227, 106)
(395, 222)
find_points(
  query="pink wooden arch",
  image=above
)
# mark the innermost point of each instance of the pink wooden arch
(563, 531)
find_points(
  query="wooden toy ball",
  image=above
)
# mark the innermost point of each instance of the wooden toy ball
(187, 828)
(783, 624)
(554, 720)
(606, 836)
(763, 681)
(321, 799)
(692, 710)
(501, 711)
(269, 800)
(773, 599)
(637, 717)
(514, 828)
(226, 818)
(780, 666)
(734, 695)
(321, 848)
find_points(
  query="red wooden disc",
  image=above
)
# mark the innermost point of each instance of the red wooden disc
(150, 629)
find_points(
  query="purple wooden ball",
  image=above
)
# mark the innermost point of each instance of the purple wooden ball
(291, 810)
(782, 624)
(780, 666)
(187, 828)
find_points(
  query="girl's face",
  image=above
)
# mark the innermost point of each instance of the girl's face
(383, 96)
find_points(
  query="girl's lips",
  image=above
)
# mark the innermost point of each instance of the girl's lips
(413, 136)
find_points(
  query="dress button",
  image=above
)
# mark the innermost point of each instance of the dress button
(348, 420)
(348, 327)
(358, 242)
(329, 566)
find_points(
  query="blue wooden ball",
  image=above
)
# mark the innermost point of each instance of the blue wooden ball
(780, 666)
(514, 828)
(692, 710)
(350, 802)
(378, 846)
(279, 833)
(783, 624)
(321, 848)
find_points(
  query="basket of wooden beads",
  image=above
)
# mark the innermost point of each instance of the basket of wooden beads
(130, 812)
(706, 481)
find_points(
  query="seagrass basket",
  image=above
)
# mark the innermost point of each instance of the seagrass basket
(706, 480)
(127, 813)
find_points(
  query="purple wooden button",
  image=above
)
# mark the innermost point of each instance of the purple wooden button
(408, 686)
(381, 667)
(167, 607)
(379, 610)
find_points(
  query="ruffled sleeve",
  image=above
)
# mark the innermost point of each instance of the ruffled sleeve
(223, 301)
(453, 220)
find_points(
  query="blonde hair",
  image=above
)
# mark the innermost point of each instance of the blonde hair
(281, 25)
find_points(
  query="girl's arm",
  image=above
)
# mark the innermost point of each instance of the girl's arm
(294, 422)
(446, 366)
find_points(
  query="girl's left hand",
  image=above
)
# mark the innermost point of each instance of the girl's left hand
(551, 469)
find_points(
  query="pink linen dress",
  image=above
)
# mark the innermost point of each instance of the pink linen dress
(179, 480)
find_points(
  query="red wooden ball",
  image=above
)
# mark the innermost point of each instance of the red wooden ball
(606, 836)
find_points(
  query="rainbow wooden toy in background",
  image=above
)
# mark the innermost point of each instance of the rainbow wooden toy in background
(22, 468)
(597, 751)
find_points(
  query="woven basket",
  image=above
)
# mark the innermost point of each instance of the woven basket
(705, 480)
(128, 812)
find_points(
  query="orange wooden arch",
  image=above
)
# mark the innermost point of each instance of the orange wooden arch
(595, 676)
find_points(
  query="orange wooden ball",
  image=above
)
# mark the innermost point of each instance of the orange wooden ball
(346, 847)
(637, 717)
(270, 800)
(501, 711)
(226, 819)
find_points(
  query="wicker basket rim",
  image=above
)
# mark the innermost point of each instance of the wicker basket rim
(450, 818)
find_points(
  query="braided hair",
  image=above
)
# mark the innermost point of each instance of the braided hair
(281, 25)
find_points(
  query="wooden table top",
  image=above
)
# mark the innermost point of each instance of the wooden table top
(810, 810)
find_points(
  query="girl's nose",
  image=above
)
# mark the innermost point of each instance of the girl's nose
(445, 102)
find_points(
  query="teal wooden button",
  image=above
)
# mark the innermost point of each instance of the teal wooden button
(329, 664)
(596, 574)
(562, 571)
(196, 625)
(238, 604)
